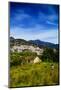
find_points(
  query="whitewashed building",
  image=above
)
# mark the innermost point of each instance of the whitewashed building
(37, 60)
(27, 47)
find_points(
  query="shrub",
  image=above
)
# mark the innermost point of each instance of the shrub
(50, 56)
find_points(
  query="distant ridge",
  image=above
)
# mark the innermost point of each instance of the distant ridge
(44, 44)
(38, 43)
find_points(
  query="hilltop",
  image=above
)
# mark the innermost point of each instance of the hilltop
(39, 43)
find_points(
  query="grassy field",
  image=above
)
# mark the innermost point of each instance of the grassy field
(34, 75)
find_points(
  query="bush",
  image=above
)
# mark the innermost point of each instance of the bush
(49, 55)
(21, 58)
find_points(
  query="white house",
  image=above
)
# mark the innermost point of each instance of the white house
(37, 60)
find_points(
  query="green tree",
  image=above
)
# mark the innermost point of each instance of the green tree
(48, 55)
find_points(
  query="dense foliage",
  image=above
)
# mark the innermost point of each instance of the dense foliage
(21, 58)
(50, 55)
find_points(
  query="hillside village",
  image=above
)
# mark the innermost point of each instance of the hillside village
(31, 51)
(27, 47)
(34, 47)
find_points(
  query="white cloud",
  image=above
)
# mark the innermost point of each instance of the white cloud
(52, 20)
(21, 16)
(52, 23)
(35, 33)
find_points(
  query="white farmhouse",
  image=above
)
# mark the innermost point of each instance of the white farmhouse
(37, 60)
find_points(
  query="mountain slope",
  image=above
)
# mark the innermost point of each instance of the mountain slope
(44, 44)
(38, 43)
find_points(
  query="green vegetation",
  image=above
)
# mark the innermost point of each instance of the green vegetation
(34, 74)
(23, 72)
(21, 58)
(49, 55)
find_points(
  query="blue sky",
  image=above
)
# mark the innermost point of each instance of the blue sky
(34, 21)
